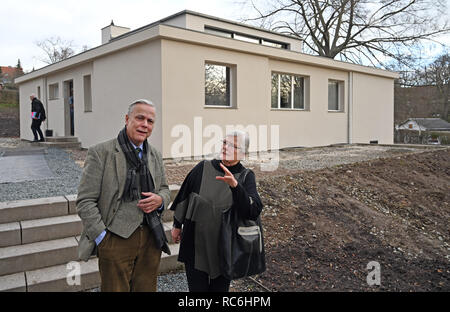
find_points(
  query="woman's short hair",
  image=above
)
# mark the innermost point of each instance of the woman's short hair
(242, 139)
(140, 101)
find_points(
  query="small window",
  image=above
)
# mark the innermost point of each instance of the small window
(87, 93)
(335, 95)
(217, 85)
(218, 32)
(246, 38)
(288, 91)
(273, 44)
(53, 91)
(39, 92)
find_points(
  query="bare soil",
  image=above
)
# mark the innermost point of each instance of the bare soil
(323, 227)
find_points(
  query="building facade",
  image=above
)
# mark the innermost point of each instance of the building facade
(205, 76)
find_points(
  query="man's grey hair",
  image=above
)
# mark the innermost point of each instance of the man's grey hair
(242, 139)
(140, 101)
(33, 95)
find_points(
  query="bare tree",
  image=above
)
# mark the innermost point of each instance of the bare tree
(357, 31)
(56, 49)
(438, 74)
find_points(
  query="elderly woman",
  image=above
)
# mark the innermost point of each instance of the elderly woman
(210, 188)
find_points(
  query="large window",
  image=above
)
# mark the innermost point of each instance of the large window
(288, 91)
(217, 85)
(335, 95)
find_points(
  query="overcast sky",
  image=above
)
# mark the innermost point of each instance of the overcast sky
(24, 22)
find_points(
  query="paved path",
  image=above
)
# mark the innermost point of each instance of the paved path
(23, 164)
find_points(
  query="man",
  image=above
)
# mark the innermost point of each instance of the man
(122, 187)
(37, 117)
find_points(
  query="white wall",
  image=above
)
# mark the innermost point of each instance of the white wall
(183, 98)
(373, 109)
(117, 80)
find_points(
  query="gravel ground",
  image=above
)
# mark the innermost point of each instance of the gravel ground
(175, 282)
(65, 181)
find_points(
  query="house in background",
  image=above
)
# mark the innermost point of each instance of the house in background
(205, 73)
(8, 74)
(424, 124)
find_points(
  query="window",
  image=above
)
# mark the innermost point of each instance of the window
(288, 91)
(39, 92)
(217, 85)
(243, 37)
(87, 93)
(246, 38)
(53, 91)
(273, 44)
(218, 32)
(335, 95)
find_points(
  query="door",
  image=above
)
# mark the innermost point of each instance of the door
(69, 122)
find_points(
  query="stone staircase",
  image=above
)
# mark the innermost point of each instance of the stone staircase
(61, 142)
(39, 241)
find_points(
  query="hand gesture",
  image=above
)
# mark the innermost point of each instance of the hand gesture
(228, 178)
(150, 203)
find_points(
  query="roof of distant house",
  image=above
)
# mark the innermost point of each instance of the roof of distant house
(431, 123)
(10, 72)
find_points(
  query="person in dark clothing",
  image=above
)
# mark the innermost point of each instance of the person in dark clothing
(210, 188)
(37, 117)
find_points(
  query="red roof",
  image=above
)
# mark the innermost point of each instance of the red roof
(9, 72)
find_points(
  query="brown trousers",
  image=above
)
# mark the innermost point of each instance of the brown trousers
(129, 264)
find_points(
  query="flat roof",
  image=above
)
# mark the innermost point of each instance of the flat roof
(160, 30)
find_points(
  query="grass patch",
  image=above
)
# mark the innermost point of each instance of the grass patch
(9, 105)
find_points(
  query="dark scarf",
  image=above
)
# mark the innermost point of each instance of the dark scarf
(138, 166)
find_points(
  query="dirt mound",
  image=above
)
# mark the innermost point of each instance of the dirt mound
(322, 228)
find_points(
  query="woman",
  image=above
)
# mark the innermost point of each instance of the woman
(210, 188)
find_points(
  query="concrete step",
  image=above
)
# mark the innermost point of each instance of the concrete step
(64, 277)
(13, 283)
(61, 139)
(60, 144)
(15, 259)
(39, 230)
(30, 209)
(10, 234)
(50, 228)
(72, 276)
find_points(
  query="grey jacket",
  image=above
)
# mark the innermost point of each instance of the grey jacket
(100, 193)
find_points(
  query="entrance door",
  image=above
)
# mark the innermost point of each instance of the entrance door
(69, 122)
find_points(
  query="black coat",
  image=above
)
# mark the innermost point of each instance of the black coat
(38, 107)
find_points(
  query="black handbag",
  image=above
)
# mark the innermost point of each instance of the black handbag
(241, 244)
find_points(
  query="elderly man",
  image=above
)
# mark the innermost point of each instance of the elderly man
(37, 117)
(121, 194)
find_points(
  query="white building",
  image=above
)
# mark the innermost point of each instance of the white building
(204, 73)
